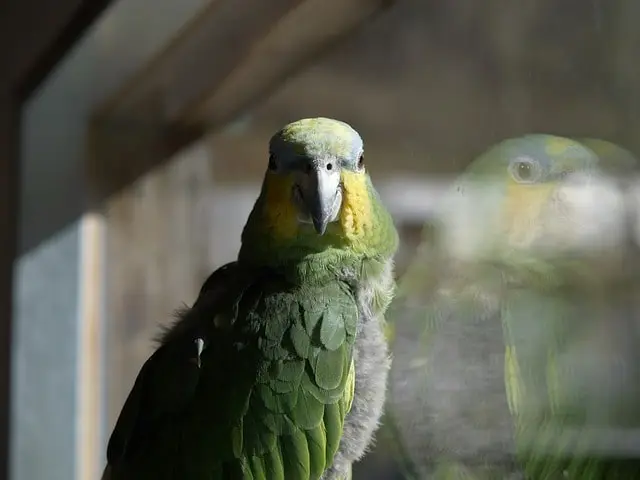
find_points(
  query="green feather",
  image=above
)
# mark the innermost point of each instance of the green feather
(277, 403)
(333, 422)
(273, 467)
(332, 330)
(311, 318)
(256, 440)
(282, 423)
(348, 318)
(330, 368)
(277, 326)
(300, 340)
(317, 443)
(308, 412)
(257, 467)
(321, 394)
(270, 350)
(289, 376)
(237, 442)
(247, 472)
(295, 455)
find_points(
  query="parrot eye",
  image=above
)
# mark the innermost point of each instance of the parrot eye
(525, 171)
(361, 161)
(272, 162)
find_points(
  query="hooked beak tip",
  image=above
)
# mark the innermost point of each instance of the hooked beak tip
(317, 194)
(319, 225)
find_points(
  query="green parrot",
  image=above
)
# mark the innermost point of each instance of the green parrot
(484, 303)
(278, 370)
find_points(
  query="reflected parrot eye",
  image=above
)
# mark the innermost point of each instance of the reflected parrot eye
(525, 170)
(361, 162)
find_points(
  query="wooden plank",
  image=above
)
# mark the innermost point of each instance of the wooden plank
(90, 354)
(158, 249)
(43, 38)
(219, 65)
(198, 58)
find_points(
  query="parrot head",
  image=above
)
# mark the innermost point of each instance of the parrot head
(534, 201)
(316, 197)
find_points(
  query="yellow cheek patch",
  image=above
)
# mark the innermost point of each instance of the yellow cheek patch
(558, 146)
(523, 211)
(355, 214)
(279, 212)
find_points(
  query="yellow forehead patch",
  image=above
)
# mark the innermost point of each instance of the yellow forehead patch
(558, 146)
(280, 214)
(356, 215)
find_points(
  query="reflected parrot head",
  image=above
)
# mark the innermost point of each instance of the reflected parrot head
(532, 197)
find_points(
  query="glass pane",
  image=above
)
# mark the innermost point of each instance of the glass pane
(520, 277)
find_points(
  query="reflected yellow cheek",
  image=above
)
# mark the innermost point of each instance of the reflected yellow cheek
(280, 214)
(355, 215)
(523, 210)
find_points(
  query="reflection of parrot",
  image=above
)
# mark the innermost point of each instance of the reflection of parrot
(514, 235)
(589, 367)
(278, 371)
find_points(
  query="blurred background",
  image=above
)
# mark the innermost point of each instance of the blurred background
(143, 147)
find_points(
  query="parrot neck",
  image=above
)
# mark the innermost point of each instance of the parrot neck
(326, 266)
(318, 268)
(302, 249)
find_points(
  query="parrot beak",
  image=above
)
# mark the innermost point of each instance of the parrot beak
(319, 189)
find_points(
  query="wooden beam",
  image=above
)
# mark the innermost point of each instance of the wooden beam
(43, 39)
(291, 43)
(8, 248)
(223, 62)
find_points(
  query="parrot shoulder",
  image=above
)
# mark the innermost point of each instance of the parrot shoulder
(273, 363)
(167, 381)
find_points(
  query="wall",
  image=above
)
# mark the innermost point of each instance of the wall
(28, 33)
